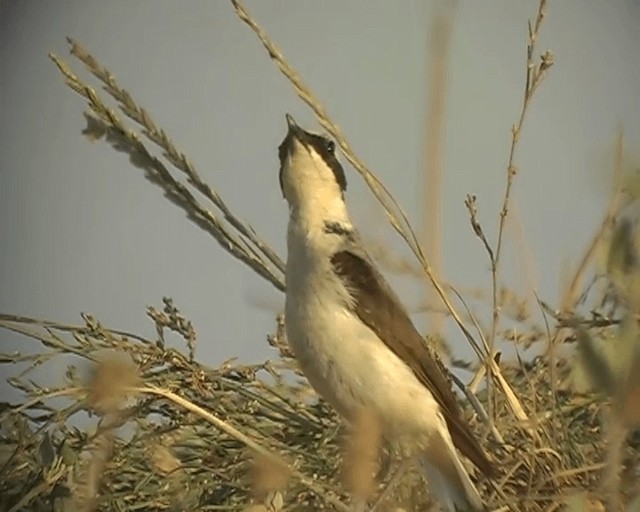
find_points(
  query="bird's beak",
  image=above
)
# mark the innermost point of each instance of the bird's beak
(294, 129)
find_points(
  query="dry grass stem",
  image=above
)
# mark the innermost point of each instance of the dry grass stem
(535, 73)
(439, 44)
(233, 235)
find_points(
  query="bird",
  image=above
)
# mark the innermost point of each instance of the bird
(350, 334)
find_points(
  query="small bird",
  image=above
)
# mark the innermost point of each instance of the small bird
(351, 335)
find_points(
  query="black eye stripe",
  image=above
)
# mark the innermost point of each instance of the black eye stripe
(283, 148)
(326, 149)
(324, 146)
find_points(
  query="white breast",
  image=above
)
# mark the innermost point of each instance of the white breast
(344, 360)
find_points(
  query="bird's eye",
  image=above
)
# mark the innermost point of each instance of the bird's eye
(331, 146)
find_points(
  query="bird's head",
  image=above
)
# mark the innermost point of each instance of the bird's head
(311, 177)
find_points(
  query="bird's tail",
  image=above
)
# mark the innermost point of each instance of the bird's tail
(448, 479)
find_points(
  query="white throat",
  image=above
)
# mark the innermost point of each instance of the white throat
(312, 214)
(314, 196)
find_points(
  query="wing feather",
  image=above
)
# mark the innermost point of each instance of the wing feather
(378, 307)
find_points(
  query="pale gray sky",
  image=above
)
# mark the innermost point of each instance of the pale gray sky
(82, 230)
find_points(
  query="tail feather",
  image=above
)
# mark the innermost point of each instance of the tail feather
(447, 477)
(455, 495)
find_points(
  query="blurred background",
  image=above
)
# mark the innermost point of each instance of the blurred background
(83, 231)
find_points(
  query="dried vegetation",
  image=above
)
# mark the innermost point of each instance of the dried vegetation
(151, 428)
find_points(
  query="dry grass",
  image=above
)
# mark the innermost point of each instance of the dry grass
(161, 431)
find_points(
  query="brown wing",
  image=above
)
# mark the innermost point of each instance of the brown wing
(378, 307)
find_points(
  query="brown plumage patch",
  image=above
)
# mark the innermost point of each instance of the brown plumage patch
(378, 307)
